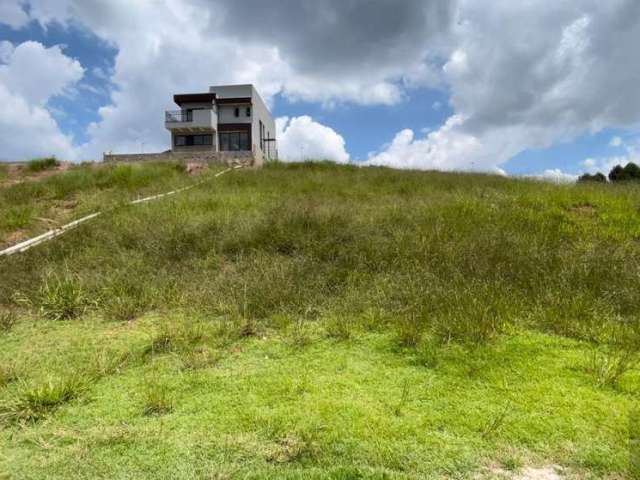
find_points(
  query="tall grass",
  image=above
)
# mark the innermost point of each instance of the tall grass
(40, 164)
(451, 257)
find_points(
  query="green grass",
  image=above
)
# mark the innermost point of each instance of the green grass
(34, 206)
(41, 164)
(317, 321)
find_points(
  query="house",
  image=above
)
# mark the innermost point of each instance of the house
(228, 118)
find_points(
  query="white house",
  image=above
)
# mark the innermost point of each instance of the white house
(229, 118)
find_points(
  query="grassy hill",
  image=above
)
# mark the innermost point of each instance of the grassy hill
(320, 321)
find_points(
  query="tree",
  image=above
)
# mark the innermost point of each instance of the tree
(632, 171)
(598, 178)
(616, 174)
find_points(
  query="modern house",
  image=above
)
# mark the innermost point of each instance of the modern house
(228, 118)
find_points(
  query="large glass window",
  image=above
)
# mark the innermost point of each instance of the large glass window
(189, 140)
(234, 141)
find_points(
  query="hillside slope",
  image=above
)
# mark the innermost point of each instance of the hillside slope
(322, 321)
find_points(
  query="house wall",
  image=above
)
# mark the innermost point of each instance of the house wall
(226, 113)
(261, 113)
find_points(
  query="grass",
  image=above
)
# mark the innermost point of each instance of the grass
(41, 164)
(33, 206)
(318, 321)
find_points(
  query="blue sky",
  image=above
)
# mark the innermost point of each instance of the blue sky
(437, 85)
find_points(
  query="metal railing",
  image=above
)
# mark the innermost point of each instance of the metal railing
(176, 116)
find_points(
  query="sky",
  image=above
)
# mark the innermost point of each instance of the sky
(536, 87)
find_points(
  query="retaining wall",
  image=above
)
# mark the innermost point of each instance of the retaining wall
(227, 158)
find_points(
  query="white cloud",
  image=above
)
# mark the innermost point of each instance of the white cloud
(13, 14)
(615, 142)
(301, 138)
(31, 76)
(556, 175)
(605, 164)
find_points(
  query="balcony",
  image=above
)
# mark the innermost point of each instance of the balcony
(191, 120)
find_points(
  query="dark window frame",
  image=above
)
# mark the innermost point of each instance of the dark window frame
(234, 141)
(236, 112)
(193, 140)
(248, 112)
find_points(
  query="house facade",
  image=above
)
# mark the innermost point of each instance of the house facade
(228, 118)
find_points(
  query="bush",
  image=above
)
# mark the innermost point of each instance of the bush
(41, 164)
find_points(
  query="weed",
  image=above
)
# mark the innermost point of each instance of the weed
(199, 358)
(299, 332)
(409, 330)
(399, 407)
(34, 402)
(291, 448)
(339, 327)
(495, 423)
(157, 400)
(427, 353)
(40, 164)
(62, 297)
(8, 319)
(609, 363)
(8, 374)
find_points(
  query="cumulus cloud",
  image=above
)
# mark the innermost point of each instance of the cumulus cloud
(556, 175)
(13, 14)
(529, 74)
(31, 75)
(301, 138)
(520, 75)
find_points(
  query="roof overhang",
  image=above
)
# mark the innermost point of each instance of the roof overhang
(234, 101)
(194, 98)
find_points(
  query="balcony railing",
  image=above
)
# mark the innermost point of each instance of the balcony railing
(178, 116)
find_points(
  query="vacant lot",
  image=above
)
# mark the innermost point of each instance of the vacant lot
(316, 321)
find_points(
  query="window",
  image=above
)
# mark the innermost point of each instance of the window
(248, 111)
(234, 141)
(236, 111)
(261, 135)
(189, 140)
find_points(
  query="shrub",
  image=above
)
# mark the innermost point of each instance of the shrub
(34, 402)
(157, 400)
(41, 164)
(608, 364)
(62, 297)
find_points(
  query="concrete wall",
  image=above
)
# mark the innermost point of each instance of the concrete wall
(226, 114)
(261, 113)
(227, 158)
(232, 91)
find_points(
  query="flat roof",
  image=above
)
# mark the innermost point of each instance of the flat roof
(181, 98)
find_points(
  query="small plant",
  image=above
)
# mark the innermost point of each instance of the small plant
(608, 364)
(398, 408)
(62, 297)
(495, 423)
(427, 354)
(34, 402)
(41, 164)
(157, 400)
(339, 327)
(299, 332)
(8, 374)
(8, 319)
(409, 331)
(290, 448)
(199, 358)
